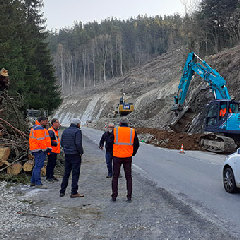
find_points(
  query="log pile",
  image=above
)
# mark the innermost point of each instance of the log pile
(14, 156)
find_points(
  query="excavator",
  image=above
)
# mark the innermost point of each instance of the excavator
(222, 115)
(124, 108)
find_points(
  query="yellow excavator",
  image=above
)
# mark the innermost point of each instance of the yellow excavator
(124, 108)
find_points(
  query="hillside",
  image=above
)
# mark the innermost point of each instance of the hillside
(151, 89)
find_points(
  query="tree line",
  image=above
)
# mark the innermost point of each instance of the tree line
(88, 54)
(24, 52)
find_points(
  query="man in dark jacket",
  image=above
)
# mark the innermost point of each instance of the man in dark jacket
(107, 137)
(71, 142)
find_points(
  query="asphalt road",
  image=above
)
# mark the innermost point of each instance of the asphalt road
(169, 201)
(194, 178)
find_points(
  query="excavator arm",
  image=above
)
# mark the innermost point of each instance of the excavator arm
(195, 64)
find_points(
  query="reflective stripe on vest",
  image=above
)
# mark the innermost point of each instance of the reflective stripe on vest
(123, 142)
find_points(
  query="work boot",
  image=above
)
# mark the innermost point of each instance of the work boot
(41, 186)
(55, 179)
(49, 179)
(76, 195)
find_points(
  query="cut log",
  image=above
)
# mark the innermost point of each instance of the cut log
(30, 156)
(4, 154)
(14, 169)
(28, 166)
(43, 171)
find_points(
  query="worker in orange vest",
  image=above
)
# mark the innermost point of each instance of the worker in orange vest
(125, 145)
(39, 145)
(55, 143)
(223, 111)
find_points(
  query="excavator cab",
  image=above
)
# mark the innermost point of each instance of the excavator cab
(223, 116)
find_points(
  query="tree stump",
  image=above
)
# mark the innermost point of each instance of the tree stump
(28, 166)
(4, 154)
(14, 169)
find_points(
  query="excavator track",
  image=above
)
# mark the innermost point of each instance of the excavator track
(217, 143)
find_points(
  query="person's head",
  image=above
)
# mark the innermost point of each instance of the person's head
(43, 121)
(55, 123)
(223, 106)
(76, 121)
(124, 122)
(110, 127)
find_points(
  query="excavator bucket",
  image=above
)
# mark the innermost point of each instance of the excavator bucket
(181, 120)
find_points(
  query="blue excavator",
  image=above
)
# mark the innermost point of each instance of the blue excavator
(222, 115)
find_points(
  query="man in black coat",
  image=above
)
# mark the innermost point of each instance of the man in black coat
(71, 141)
(108, 138)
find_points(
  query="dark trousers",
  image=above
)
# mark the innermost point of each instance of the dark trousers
(72, 164)
(109, 159)
(127, 166)
(52, 158)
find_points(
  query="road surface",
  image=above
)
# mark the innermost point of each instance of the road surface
(194, 177)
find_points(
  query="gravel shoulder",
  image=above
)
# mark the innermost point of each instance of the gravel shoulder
(28, 213)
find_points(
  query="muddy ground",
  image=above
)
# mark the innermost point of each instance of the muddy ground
(28, 213)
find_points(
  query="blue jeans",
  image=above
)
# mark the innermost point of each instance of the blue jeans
(109, 160)
(72, 164)
(39, 158)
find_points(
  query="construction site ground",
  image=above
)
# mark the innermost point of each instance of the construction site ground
(28, 213)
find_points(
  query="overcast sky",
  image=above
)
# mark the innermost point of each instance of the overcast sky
(63, 13)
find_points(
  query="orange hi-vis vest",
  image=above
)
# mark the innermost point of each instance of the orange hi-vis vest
(55, 149)
(123, 142)
(223, 112)
(39, 138)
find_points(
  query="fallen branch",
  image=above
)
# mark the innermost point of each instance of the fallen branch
(33, 214)
(17, 130)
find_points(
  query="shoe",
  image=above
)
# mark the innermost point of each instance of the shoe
(108, 176)
(76, 195)
(114, 199)
(32, 184)
(62, 194)
(129, 200)
(120, 176)
(50, 179)
(55, 179)
(41, 186)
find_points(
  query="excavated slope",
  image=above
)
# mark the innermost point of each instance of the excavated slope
(151, 88)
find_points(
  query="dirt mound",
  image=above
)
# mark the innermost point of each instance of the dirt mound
(167, 139)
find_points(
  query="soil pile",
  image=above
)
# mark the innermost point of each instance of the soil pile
(167, 139)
